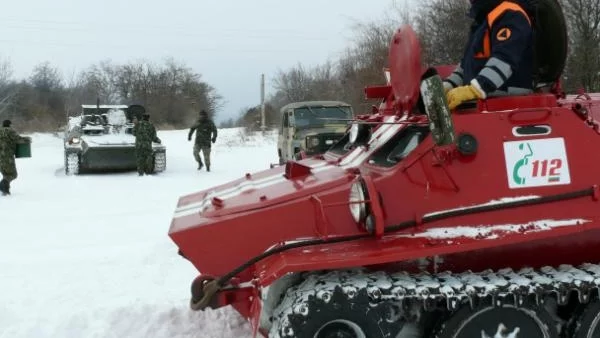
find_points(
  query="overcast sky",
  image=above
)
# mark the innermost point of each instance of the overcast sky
(229, 42)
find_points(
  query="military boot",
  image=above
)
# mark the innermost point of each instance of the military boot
(4, 188)
(207, 167)
(200, 165)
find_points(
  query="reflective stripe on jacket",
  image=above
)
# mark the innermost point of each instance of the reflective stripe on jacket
(499, 52)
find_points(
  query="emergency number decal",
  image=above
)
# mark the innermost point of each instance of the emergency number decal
(536, 163)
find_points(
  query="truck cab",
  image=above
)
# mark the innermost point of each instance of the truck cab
(310, 128)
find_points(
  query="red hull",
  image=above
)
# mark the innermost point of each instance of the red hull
(527, 196)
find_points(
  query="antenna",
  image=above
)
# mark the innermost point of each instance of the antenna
(262, 103)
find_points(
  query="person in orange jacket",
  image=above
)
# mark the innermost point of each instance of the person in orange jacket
(498, 58)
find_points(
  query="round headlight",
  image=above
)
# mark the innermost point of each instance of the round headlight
(75, 140)
(314, 142)
(354, 133)
(358, 206)
(360, 134)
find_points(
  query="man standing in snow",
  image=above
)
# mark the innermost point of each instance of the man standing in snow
(145, 133)
(8, 145)
(206, 131)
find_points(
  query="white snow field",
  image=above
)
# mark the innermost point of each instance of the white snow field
(90, 256)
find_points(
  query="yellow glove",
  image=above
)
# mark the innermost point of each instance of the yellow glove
(462, 94)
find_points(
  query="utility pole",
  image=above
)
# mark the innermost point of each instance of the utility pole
(262, 103)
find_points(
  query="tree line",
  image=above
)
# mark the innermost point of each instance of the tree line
(442, 27)
(172, 93)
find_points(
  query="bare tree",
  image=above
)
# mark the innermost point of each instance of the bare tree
(100, 79)
(583, 66)
(294, 84)
(173, 93)
(46, 99)
(6, 72)
(250, 118)
(46, 78)
(299, 84)
(443, 28)
(7, 93)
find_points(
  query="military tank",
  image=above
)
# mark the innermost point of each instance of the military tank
(420, 222)
(100, 139)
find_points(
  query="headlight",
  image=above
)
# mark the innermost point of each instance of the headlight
(358, 206)
(314, 141)
(75, 140)
(354, 133)
(360, 134)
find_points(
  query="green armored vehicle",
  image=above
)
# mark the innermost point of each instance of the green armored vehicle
(101, 139)
(311, 127)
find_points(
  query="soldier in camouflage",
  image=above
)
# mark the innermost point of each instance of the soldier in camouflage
(206, 131)
(145, 133)
(8, 145)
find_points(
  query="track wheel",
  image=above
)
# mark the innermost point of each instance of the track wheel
(506, 321)
(72, 164)
(588, 324)
(334, 314)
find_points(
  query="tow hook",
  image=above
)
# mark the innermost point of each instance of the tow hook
(204, 288)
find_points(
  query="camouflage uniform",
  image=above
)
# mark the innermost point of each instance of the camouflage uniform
(8, 144)
(206, 131)
(145, 134)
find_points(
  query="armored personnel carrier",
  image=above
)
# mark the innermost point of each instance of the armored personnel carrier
(101, 139)
(421, 222)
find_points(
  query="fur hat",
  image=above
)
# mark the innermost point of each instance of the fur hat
(6, 123)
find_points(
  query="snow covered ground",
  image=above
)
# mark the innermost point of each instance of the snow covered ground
(89, 255)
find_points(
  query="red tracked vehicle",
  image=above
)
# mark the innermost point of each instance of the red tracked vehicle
(485, 224)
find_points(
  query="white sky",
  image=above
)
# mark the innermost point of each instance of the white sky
(229, 42)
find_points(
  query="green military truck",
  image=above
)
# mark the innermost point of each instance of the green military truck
(311, 127)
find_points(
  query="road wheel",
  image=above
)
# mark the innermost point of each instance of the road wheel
(588, 323)
(336, 315)
(506, 321)
(72, 164)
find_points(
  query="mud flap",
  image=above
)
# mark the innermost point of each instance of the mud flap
(436, 108)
